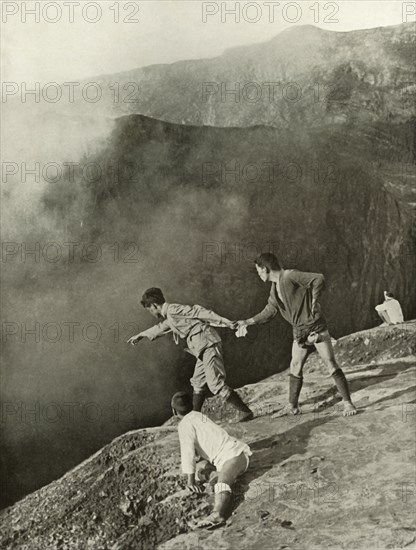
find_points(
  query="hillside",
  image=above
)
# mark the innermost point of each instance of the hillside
(315, 481)
(305, 75)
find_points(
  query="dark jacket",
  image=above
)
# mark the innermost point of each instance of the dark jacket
(298, 291)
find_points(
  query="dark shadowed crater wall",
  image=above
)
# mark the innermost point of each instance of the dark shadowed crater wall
(186, 209)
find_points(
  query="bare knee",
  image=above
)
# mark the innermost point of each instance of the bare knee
(296, 369)
(232, 469)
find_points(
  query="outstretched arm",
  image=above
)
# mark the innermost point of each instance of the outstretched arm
(205, 315)
(264, 316)
(151, 333)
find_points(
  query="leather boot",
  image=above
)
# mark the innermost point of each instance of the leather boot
(239, 404)
(295, 386)
(223, 502)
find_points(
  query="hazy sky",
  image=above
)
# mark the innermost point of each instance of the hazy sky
(162, 31)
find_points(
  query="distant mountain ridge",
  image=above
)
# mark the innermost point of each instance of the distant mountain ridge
(305, 75)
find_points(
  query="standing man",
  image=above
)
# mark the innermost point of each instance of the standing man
(295, 294)
(194, 323)
(200, 435)
(390, 311)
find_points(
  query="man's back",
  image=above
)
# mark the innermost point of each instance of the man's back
(195, 323)
(393, 309)
(185, 319)
(199, 434)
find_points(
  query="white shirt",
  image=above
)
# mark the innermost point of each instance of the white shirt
(393, 309)
(200, 435)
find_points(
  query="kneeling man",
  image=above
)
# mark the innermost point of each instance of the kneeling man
(198, 435)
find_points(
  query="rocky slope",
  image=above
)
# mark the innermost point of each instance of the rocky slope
(314, 481)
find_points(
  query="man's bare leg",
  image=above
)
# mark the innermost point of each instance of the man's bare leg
(231, 470)
(299, 356)
(384, 316)
(326, 351)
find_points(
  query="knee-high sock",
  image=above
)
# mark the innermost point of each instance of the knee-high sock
(295, 385)
(222, 503)
(341, 384)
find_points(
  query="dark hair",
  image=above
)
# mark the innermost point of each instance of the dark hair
(269, 261)
(182, 402)
(389, 295)
(152, 296)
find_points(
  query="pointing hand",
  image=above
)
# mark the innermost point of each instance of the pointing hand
(134, 339)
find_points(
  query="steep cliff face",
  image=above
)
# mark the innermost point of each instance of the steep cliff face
(202, 202)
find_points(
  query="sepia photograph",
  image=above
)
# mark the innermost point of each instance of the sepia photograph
(208, 275)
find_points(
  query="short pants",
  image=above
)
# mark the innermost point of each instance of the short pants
(209, 371)
(232, 449)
